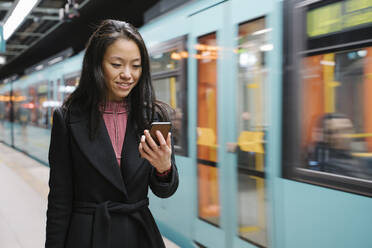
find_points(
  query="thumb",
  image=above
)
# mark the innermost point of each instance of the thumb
(169, 143)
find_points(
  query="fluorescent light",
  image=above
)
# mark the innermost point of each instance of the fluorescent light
(17, 16)
(39, 67)
(2, 60)
(55, 60)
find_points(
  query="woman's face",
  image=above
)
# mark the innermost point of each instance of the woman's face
(121, 68)
(339, 129)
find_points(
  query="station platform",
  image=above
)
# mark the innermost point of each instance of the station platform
(23, 196)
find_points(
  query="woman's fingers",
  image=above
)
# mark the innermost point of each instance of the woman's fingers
(169, 143)
(162, 142)
(142, 152)
(145, 146)
(158, 156)
(150, 141)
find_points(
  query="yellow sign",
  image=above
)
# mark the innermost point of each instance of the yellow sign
(339, 16)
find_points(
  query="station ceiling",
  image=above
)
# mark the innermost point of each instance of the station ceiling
(43, 34)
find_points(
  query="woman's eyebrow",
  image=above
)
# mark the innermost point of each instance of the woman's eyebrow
(116, 57)
(121, 59)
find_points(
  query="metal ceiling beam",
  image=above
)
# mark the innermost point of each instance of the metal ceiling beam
(10, 9)
(6, 5)
(47, 32)
(10, 53)
(46, 10)
(48, 18)
(16, 46)
(29, 34)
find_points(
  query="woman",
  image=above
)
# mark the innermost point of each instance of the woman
(102, 158)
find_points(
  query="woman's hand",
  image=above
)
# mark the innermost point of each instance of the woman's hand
(159, 156)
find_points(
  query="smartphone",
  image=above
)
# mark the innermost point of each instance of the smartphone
(163, 127)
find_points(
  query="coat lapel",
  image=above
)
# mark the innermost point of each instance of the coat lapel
(99, 151)
(131, 161)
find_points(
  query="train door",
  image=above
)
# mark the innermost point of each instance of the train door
(246, 136)
(250, 132)
(230, 51)
(205, 40)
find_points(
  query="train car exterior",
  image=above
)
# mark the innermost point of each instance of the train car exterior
(326, 144)
(272, 125)
(26, 106)
(230, 89)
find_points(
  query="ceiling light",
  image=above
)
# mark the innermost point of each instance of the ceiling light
(2, 60)
(17, 16)
(55, 60)
(39, 67)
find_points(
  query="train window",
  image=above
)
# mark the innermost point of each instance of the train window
(168, 69)
(24, 106)
(207, 143)
(31, 117)
(251, 109)
(70, 83)
(29, 104)
(166, 61)
(328, 134)
(5, 114)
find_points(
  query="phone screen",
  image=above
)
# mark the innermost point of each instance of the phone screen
(163, 127)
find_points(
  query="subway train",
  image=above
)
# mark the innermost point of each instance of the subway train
(272, 129)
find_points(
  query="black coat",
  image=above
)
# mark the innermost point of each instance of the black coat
(92, 202)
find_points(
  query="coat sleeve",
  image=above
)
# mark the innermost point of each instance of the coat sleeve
(60, 184)
(166, 188)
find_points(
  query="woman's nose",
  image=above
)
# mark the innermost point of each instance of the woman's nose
(125, 73)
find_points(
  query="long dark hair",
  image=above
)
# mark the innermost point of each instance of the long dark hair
(92, 90)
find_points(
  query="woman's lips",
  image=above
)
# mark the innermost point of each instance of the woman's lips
(124, 86)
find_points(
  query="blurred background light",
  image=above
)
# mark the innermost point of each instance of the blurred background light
(267, 47)
(247, 59)
(262, 31)
(362, 53)
(326, 62)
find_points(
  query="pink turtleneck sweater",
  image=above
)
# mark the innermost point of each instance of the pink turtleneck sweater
(115, 116)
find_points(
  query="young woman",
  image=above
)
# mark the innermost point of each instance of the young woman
(102, 157)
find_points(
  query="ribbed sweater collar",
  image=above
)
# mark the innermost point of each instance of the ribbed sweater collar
(114, 107)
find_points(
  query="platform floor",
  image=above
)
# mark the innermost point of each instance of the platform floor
(23, 197)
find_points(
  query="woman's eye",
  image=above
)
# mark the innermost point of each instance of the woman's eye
(137, 66)
(115, 65)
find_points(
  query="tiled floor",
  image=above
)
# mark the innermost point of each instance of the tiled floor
(23, 198)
